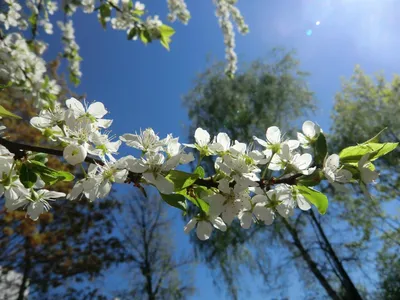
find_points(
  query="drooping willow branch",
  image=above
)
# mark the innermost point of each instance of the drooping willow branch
(20, 149)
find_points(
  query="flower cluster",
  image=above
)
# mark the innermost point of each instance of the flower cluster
(13, 18)
(26, 70)
(224, 10)
(178, 9)
(71, 50)
(250, 184)
(33, 199)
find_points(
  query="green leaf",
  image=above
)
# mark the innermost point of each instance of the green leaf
(48, 175)
(133, 32)
(165, 35)
(145, 36)
(319, 200)
(200, 171)
(33, 20)
(310, 180)
(27, 177)
(40, 157)
(105, 12)
(4, 86)
(175, 200)
(5, 113)
(354, 153)
(166, 31)
(195, 199)
(321, 149)
(181, 179)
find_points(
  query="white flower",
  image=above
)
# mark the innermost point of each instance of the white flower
(274, 141)
(310, 133)
(35, 202)
(175, 153)
(103, 146)
(139, 6)
(205, 227)
(263, 208)
(221, 143)
(75, 154)
(367, 175)
(286, 198)
(229, 202)
(146, 141)
(299, 162)
(203, 141)
(333, 172)
(151, 166)
(49, 117)
(99, 182)
(95, 112)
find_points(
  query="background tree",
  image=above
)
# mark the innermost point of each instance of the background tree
(366, 105)
(72, 243)
(269, 94)
(156, 270)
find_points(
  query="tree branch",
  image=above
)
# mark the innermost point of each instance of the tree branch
(19, 150)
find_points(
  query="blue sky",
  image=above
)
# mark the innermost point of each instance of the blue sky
(142, 85)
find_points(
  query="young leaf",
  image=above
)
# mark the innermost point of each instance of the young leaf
(105, 12)
(27, 177)
(175, 200)
(48, 175)
(319, 200)
(145, 36)
(165, 35)
(5, 113)
(376, 150)
(181, 179)
(4, 86)
(200, 203)
(200, 171)
(320, 149)
(132, 33)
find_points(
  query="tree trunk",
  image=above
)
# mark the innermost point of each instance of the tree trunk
(351, 290)
(310, 262)
(27, 268)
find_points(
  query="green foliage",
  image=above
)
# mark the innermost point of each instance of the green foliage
(353, 154)
(318, 199)
(5, 113)
(199, 171)
(27, 177)
(31, 168)
(165, 35)
(321, 150)
(181, 179)
(4, 86)
(105, 12)
(194, 196)
(175, 200)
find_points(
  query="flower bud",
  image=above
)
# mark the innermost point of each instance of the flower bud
(75, 154)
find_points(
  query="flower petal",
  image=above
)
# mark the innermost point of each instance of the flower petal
(273, 135)
(302, 202)
(161, 183)
(35, 209)
(203, 230)
(97, 110)
(202, 137)
(190, 225)
(218, 223)
(246, 219)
